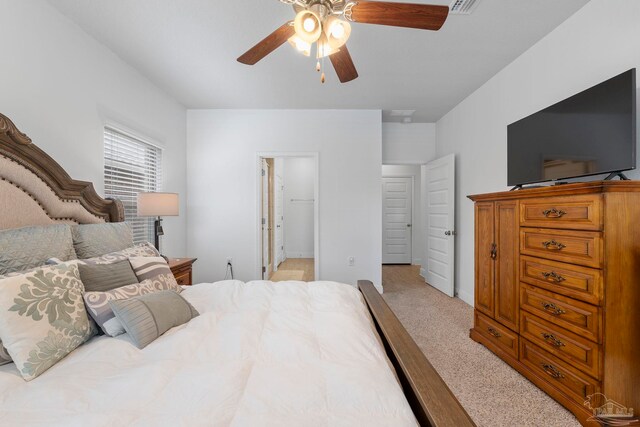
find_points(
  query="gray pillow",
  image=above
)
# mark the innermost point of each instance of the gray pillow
(104, 277)
(4, 355)
(29, 247)
(147, 317)
(94, 240)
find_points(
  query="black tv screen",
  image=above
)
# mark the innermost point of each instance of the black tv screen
(591, 133)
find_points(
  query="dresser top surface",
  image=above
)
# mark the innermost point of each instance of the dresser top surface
(561, 190)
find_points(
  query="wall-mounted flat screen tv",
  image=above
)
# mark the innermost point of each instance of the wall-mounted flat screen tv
(591, 133)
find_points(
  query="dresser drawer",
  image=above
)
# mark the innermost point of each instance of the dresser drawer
(572, 348)
(579, 317)
(498, 334)
(183, 278)
(575, 247)
(572, 382)
(573, 212)
(573, 281)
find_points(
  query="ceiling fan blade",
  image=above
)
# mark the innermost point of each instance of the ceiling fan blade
(268, 45)
(409, 15)
(343, 65)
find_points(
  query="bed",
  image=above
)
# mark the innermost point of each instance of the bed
(292, 353)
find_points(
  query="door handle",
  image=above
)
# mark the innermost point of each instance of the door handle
(494, 251)
(450, 233)
(408, 225)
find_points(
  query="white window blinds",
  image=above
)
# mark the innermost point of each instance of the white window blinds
(131, 166)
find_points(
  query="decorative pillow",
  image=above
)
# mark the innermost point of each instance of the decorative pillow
(43, 318)
(140, 250)
(94, 240)
(104, 277)
(152, 268)
(4, 355)
(28, 247)
(147, 317)
(97, 303)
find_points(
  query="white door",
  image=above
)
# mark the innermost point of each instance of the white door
(397, 200)
(279, 222)
(265, 219)
(440, 222)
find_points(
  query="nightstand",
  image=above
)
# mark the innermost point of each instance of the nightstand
(182, 269)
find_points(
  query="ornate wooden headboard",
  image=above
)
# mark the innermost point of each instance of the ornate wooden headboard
(36, 190)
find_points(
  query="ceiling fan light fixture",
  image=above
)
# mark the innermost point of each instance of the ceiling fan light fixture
(300, 45)
(337, 31)
(308, 26)
(324, 47)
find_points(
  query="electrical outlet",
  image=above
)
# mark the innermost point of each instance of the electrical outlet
(229, 260)
(352, 261)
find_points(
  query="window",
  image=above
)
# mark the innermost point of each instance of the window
(131, 166)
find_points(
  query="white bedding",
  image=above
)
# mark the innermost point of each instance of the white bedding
(259, 354)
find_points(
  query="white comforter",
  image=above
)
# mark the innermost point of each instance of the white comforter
(259, 354)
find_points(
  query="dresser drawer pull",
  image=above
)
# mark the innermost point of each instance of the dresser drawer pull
(552, 275)
(552, 308)
(551, 339)
(493, 332)
(494, 251)
(552, 371)
(554, 213)
(552, 244)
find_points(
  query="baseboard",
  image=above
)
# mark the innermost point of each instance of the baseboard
(416, 261)
(299, 255)
(423, 273)
(466, 297)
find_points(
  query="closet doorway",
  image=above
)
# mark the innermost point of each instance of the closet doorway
(288, 216)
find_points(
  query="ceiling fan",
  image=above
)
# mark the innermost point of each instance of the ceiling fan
(326, 23)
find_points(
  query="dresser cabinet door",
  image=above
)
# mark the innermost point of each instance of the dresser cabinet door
(485, 258)
(507, 293)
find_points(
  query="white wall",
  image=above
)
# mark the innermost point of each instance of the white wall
(60, 86)
(412, 143)
(299, 179)
(222, 186)
(601, 40)
(412, 171)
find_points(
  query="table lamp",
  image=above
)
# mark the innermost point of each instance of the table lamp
(158, 205)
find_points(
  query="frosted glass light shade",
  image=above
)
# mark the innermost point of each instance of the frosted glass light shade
(324, 48)
(300, 45)
(337, 32)
(302, 24)
(158, 204)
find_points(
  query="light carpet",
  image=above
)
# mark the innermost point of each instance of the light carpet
(491, 391)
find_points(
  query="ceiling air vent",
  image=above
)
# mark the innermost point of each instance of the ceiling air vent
(463, 7)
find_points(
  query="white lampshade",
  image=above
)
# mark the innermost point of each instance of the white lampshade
(158, 204)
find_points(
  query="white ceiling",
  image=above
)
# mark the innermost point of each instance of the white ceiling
(189, 48)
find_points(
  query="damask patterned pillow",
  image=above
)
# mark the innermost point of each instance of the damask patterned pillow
(97, 303)
(43, 318)
(93, 240)
(30, 247)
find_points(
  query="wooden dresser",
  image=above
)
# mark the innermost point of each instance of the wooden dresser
(557, 288)
(182, 269)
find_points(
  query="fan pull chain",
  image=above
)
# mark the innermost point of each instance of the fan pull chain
(322, 79)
